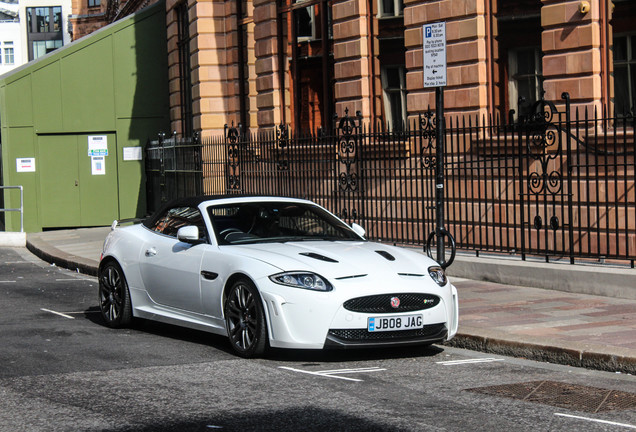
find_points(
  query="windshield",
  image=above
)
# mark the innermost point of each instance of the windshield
(258, 222)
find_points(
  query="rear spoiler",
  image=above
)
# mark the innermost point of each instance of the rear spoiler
(118, 222)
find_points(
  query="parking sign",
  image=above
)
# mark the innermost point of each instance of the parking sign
(434, 51)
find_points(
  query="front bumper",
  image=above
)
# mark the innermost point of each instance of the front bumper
(361, 338)
(315, 320)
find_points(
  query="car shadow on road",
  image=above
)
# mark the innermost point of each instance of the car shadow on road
(304, 418)
(221, 343)
(359, 354)
(171, 331)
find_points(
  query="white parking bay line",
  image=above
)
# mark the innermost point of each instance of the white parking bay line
(75, 279)
(468, 361)
(356, 370)
(7, 281)
(333, 373)
(57, 313)
(625, 425)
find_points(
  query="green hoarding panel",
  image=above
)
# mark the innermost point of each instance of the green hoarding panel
(87, 88)
(27, 179)
(138, 70)
(47, 98)
(132, 185)
(18, 97)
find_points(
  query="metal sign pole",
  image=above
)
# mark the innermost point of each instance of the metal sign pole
(434, 53)
(439, 173)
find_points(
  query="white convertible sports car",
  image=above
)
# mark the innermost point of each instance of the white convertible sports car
(272, 272)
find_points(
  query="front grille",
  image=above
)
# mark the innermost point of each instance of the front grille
(381, 303)
(362, 335)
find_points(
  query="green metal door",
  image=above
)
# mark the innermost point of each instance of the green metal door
(77, 189)
(99, 198)
(59, 180)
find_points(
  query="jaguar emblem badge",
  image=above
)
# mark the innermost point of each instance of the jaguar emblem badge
(395, 302)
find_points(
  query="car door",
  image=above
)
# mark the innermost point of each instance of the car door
(171, 269)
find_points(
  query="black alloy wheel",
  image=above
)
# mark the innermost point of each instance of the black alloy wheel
(114, 297)
(245, 320)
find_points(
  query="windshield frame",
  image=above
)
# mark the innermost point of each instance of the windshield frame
(250, 226)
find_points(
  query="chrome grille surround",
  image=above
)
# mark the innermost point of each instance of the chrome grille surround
(381, 303)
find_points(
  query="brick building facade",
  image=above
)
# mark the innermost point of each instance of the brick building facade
(263, 62)
(91, 15)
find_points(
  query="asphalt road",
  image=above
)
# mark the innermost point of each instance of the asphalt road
(61, 369)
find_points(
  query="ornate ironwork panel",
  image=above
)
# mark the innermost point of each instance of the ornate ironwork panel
(282, 147)
(543, 167)
(347, 147)
(428, 136)
(232, 139)
(348, 165)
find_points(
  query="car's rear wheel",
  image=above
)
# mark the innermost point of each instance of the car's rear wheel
(245, 320)
(114, 297)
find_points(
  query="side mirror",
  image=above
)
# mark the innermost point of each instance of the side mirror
(358, 229)
(188, 234)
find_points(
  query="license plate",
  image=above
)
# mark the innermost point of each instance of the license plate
(391, 323)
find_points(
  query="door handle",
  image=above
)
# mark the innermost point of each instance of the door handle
(151, 252)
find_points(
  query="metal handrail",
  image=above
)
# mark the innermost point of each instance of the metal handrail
(21, 209)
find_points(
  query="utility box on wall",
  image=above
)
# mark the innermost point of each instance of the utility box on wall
(75, 122)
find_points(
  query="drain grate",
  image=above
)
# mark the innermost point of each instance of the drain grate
(563, 395)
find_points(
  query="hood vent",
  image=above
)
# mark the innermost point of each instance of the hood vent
(318, 257)
(386, 255)
(350, 277)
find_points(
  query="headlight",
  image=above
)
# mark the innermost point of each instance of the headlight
(438, 275)
(304, 280)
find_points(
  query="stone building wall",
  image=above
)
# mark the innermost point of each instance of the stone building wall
(573, 44)
(466, 92)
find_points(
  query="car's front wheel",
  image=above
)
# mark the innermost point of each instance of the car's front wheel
(114, 297)
(245, 320)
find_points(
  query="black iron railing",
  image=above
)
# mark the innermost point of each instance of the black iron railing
(173, 169)
(551, 184)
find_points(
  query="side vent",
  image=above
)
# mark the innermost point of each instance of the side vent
(386, 255)
(318, 257)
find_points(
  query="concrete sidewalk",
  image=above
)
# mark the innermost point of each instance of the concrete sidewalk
(573, 328)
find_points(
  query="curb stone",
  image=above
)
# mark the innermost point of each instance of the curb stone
(69, 262)
(12, 239)
(546, 353)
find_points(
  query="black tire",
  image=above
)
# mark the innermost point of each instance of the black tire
(114, 297)
(245, 320)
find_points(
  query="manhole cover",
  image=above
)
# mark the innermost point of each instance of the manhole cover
(563, 395)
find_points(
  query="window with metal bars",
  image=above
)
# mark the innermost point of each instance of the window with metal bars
(390, 8)
(525, 81)
(624, 51)
(394, 94)
(306, 63)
